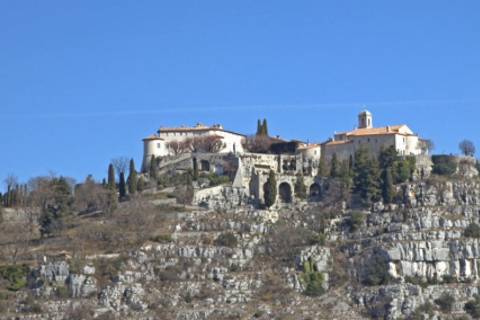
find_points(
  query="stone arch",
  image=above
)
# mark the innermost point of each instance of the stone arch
(315, 190)
(285, 192)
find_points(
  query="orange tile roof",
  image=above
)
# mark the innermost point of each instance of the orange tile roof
(198, 127)
(312, 146)
(153, 137)
(374, 131)
(333, 143)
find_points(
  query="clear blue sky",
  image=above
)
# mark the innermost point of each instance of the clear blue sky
(82, 82)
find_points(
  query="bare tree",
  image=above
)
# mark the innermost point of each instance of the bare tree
(120, 164)
(426, 145)
(467, 147)
(257, 143)
(212, 144)
(179, 147)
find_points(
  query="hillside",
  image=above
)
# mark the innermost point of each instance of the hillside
(416, 258)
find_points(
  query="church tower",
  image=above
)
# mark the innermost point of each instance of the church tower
(365, 120)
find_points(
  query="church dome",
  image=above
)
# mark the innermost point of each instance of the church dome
(365, 113)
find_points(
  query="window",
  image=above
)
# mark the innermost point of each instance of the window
(158, 145)
(246, 172)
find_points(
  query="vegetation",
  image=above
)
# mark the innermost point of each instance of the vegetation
(153, 168)
(132, 178)
(300, 188)
(356, 220)
(111, 177)
(467, 148)
(270, 190)
(227, 239)
(312, 279)
(472, 307)
(472, 231)
(445, 302)
(444, 165)
(377, 273)
(15, 275)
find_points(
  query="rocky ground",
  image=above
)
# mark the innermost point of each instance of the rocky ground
(297, 261)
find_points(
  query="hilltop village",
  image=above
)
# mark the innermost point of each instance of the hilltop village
(250, 158)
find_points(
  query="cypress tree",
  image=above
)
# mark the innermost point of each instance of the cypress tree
(366, 178)
(345, 175)
(121, 186)
(270, 189)
(132, 178)
(111, 177)
(153, 168)
(300, 188)
(323, 170)
(190, 190)
(104, 183)
(259, 127)
(387, 189)
(195, 169)
(334, 166)
(265, 127)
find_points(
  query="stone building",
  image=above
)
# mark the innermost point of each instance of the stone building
(161, 144)
(345, 143)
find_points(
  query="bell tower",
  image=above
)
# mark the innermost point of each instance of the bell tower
(365, 119)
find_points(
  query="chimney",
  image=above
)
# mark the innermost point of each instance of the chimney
(388, 128)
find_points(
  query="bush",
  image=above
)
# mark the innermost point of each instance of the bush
(356, 220)
(312, 279)
(377, 273)
(472, 307)
(15, 275)
(472, 231)
(215, 179)
(163, 238)
(227, 239)
(444, 165)
(170, 273)
(445, 302)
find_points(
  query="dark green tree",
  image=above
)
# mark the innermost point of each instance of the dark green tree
(472, 307)
(190, 190)
(387, 157)
(259, 127)
(323, 169)
(334, 166)
(345, 176)
(132, 178)
(58, 211)
(300, 188)
(366, 178)
(195, 169)
(387, 188)
(121, 187)
(153, 168)
(270, 190)
(111, 177)
(265, 127)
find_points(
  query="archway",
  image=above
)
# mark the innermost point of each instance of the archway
(315, 190)
(285, 192)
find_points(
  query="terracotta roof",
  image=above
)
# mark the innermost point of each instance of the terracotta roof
(312, 146)
(152, 137)
(374, 131)
(334, 143)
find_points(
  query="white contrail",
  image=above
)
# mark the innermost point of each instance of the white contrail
(425, 103)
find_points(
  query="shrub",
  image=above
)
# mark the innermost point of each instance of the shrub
(215, 179)
(472, 231)
(227, 239)
(377, 273)
(472, 307)
(356, 220)
(15, 275)
(444, 165)
(170, 273)
(445, 302)
(163, 238)
(311, 279)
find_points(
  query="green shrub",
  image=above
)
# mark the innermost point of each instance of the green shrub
(4, 295)
(215, 179)
(169, 274)
(472, 307)
(15, 275)
(163, 238)
(445, 302)
(227, 239)
(472, 231)
(356, 220)
(377, 273)
(444, 165)
(312, 279)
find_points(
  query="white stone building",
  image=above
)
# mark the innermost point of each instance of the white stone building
(160, 145)
(345, 143)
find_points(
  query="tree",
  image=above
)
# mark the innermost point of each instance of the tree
(257, 143)
(259, 127)
(345, 177)
(323, 169)
(195, 169)
(111, 177)
(467, 147)
(153, 168)
(265, 127)
(178, 147)
(472, 307)
(190, 190)
(300, 188)
(132, 178)
(270, 189)
(387, 157)
(334, 166)
(387, 188)
(211, 144)
(121, 186)
(120, 164)
(59, 209)
(366, 179)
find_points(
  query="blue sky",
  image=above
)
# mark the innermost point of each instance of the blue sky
(82, 82)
